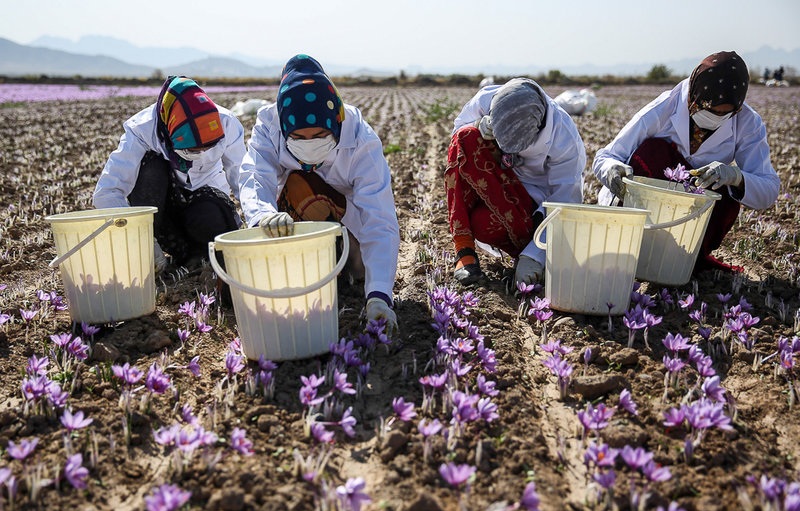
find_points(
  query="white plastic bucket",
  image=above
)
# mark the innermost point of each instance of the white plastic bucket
(106, 260)
(283, 289)
(676, 224)
(592, 253)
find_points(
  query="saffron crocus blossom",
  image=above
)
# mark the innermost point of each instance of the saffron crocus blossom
(352, 495)
(429, 428)
(348, 422)
(678, 174)
(74, 471)
(88, 329)
(240, 443)
(595, 418)
(485, 386)
(633, 320)
(321, 434)
(157, 381)
(686, 302)
(37, 366)
(636, 458)
(627, 403)
(183, 335)
(456, 475)
(78, 349)
(341, 383)
(28, 315)
(600, 455)
(127, 373)
(167, 497)
(650, 320)
(194, 366)
(675, 343)
(234, 363)
(4, 318)
(187, 308)
(487, 409)
(656, 473)
(605, 479)
(674, 417)
(530, 499)
(23, 449)
(74, 421)
(405, 411)
(713, 390)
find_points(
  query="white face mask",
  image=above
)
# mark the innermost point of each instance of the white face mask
(709, 121)
(189, 155)
(312, 151)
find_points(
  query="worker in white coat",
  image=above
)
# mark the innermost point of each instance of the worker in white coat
(512, 149)
(181, 155)
(705, 125)
(312, 157)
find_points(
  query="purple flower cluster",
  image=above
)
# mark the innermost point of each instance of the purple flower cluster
(196, 314)
(680, 175)
(558, 366)
(639, 317)
(775, 493)
(166, 497)
(40, 392)
(331, 405)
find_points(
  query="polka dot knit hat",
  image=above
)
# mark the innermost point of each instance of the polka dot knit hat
(307, 98)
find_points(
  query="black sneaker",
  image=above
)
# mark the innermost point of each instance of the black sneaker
(469, 273)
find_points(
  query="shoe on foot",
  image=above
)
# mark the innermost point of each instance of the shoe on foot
(710, 262)
(468, 269)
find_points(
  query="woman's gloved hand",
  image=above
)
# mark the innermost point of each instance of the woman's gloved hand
(379, 309)
(484, 125)
(717, 174)
(529, 271)
(277, 224)
(159, 259)
(615, 175)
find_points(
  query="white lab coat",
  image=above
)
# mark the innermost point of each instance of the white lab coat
(356, 168)
(219, 167)
(553, 165)
(742, 138)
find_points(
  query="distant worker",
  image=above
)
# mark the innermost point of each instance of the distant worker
(766, 74)
(703, 124)
(778, 74)
(512, 149)
(181, 155)
(313, 157)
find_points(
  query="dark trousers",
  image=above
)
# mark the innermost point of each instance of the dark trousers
(186, 220)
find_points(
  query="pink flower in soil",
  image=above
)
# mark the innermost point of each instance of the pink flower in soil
(23, 449)
(75, 472)
(166, 497)
(352, 495)
(28, 315)
(74, 421)
(405, 411)
(456, 475)
(240, 443)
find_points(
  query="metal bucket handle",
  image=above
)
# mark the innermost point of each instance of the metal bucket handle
(286, 292)
(117, 222)
(547, 219)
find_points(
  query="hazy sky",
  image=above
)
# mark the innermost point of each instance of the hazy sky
(430, 33)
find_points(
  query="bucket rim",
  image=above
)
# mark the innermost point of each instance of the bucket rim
(101, 214)
(614, 210)
(641, 181)
(325, 229)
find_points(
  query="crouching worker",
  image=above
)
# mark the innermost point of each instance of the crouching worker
(311, 157)
(512, 149)
(705, 125)
(181, 155)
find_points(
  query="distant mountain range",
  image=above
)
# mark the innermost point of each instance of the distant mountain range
(101, 56)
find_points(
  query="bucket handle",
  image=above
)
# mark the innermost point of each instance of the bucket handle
(538, 234)
(119, 222)
(286, 292)
(687, 218)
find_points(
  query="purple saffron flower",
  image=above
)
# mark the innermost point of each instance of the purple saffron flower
(458, 369)
(587, 355)
(88, 329)
(348, 422)
(724, 298)
(636, 458)
(405, 411)
(75, 472)
(686, 302)
(183, 335)
(57, 396)
(656, 473)
(429, 428)
(61, 340)
(525, 289)
(321, 434)
(194, 366)
(486, 387)
(341, 383)
(606, 479)
(679, 173)
(202, 326)
(166, 435)
(187, 415)
(487, 409)
(207, 299)
(713, 390)
(487, 357)
(674, 417)
(34, 388)
(37, 366)
(312, 381)
(675, 343)
(167, 497)
(626, 402)
(240, 443)
(600, 455)
(266, 365)
(127, 373)
(530, 499)
(4, 318)
(673, 365)
(595, 418)
(187, 308)
(28, 315)
(23, 449)
(456, 475)
(352, 495)
(74, 421)
(234, 363)
(434, 381)
(157, 381)
(78, 349)
(308, 396)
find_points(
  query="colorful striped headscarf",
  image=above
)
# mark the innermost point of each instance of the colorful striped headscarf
(307, 98)
(187, 118)
(720, 79)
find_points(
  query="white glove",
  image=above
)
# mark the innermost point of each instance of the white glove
(615, 175)
(717, 174)
(159, 259)
(529, 271)
(277, 224)
(377, 309)
(485, 127)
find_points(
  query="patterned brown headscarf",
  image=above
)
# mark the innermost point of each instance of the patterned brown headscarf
(721, 78)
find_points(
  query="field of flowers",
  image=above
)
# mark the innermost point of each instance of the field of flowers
(487, 399)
